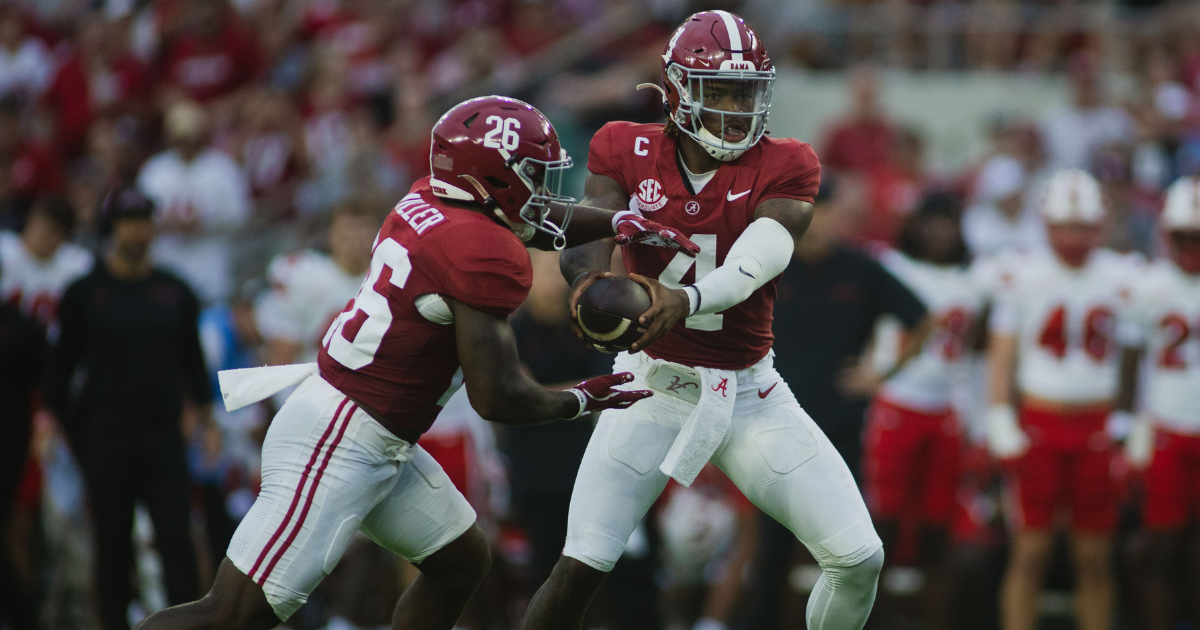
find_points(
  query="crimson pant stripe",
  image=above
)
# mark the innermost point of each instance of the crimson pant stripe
(309, 499)
(299, 490)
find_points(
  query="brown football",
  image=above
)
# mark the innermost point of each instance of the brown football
(608, 312)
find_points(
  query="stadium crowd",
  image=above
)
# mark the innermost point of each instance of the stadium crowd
(267, 138)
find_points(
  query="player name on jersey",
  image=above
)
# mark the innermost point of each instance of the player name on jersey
(420, 215)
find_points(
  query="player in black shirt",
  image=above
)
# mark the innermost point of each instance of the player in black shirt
(127, 358)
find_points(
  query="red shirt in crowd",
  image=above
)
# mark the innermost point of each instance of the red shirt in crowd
(207, 69)
(35, 171)
(76, 97)
(858, 145)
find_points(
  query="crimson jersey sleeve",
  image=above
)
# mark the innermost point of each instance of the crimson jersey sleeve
(799, 176)
(602, 155)
(492, 275)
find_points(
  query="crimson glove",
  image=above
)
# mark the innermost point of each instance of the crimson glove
(600, 393)
(631, 228)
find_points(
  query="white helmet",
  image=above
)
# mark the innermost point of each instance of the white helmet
(1182, 211)
(1072, 196)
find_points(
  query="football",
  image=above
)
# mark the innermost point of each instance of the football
(608, 312)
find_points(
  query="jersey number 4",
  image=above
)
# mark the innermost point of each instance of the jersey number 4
(705, 262)
(1098, 326)
(355, 335)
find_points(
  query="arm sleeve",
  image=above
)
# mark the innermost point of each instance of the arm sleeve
(493, 275)
(195, 373)
(799, 176)
(60, 364)
(894, 298)
(602, 155)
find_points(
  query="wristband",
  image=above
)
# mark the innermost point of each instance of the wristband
(582, 402)
(693, 299)
(620, 216)
(577, 278)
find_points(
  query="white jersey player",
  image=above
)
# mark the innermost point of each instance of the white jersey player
(953, 296)
(309, 288)
(1165, 318)
(912, 442)
(1054, 328)
(37, 265)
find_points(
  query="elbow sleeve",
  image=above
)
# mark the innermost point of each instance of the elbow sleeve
(761, 253)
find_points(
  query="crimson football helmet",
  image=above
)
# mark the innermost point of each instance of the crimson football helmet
(716, 71)
(504, 155)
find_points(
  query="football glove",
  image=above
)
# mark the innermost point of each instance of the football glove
(601, 393)
(630, 228)
(1005, 439)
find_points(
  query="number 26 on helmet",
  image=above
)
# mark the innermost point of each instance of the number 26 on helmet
(503, 154)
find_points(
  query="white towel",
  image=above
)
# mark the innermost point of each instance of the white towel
(705, 428)
(250, 385)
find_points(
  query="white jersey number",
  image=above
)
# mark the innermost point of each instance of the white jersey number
(370, 310)
(506, 128)
(705, 262)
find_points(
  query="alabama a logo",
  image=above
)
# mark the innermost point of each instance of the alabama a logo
(649, 196)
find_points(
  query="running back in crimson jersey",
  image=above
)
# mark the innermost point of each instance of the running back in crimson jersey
(643, 160)
(393, 348)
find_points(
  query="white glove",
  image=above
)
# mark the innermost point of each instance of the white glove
(1139, 446)
(1118, 424)
(1005, 439)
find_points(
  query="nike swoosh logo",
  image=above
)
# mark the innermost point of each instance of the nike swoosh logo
(745, 274)
(762, 394)
(729, 196)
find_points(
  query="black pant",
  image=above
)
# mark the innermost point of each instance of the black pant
(121, 466)
(14, 442)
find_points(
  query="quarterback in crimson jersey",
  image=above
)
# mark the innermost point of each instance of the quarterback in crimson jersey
(743, 198)
(341, 456)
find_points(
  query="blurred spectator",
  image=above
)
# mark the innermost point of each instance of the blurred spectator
(39, 263)
(408, 138)
(211, 55)
(863, 141)
(28, 169)
(309, 289)
(356, 31)
(132, 329)
(896, 188)
(98, 76)
(21, 353)
(202, 199)
(477, 59)
(271, 149)
(1075, 132)
(998, 219)
(230, 341)
(26, 65)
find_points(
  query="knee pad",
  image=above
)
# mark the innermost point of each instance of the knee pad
(844, 595)
(594, 548)
(850, 546)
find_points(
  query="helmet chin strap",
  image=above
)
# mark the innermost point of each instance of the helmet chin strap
(523, 231)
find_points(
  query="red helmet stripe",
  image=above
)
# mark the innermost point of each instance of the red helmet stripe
(735, 36)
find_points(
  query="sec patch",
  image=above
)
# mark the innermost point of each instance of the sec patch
(649, 196)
